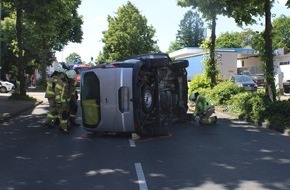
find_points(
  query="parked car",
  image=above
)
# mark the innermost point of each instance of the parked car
(143, 94)
(6, 86)
(259, 79)
(244, 81)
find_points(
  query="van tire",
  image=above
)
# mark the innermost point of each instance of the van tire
(147, 99)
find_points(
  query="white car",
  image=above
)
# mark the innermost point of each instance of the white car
(6, 86)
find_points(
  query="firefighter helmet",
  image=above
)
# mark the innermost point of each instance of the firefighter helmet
(71, 74)
(60, 68)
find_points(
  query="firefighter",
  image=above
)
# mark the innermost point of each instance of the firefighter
(52, 115)
(73, 107)
(203, 109)
(62, 102)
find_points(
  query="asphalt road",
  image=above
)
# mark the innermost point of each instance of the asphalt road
(230, 155)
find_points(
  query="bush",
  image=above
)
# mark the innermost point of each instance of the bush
(255, 107)
(236, 104)
(278, 114)
(222, 92)
(198, 83)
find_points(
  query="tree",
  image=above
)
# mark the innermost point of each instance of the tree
(61, 25)
(73, 58)
(243, 12)
(191, 30)
(281, 33)
(8, 43)
(288, 3)
(209, 9)
(173, 46)
(229, 40)
(40, 26)
(127, 35)
(268, 56)
(247, 38)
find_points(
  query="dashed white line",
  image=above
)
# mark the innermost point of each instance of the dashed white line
(132, 143)
(141, 178)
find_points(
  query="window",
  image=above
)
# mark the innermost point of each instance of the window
(284, 63)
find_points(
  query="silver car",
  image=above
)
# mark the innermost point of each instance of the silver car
(244, 81)
(143, 94)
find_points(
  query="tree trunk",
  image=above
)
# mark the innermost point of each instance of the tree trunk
(20, 63)
(212, 53)
(270, 80)
(43, 62)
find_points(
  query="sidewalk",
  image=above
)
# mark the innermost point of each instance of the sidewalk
(12, 108)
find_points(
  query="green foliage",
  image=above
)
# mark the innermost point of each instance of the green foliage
(74, 58)
(236, 104)
(278, 114)
(229, 40)
(210, 67)
(191, 30)
(281, 32)
(255, 107)
(246, 37)
(249, 106)
(173, 46)
(38, 26)
(198, 82)
(127, 35)
(223, 92)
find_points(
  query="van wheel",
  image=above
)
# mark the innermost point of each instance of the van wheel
(147, 99)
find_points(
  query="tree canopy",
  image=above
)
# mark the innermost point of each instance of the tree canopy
(281, 32)
(243, 12)
(191, 30)
(229, 40)
(73, 58)
(128, 34)
(39, 27)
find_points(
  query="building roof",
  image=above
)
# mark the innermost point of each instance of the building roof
(196, 51)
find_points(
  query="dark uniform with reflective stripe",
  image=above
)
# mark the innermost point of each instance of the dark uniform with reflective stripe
(52, 114)
(62, 99)
(73, 102)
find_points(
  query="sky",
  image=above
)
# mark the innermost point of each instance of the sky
(163, 15)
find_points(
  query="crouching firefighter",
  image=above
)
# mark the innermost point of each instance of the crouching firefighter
(203, 109)
(73, 106)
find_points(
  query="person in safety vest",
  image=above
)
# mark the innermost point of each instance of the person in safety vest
(73, 106)
(62, 99)
(203, 109)
(52, 115)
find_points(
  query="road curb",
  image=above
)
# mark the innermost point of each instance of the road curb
(14, 114)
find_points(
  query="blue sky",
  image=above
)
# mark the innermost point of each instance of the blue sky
(163, 15)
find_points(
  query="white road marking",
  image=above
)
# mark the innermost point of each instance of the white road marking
(132, 143)
(141, 178)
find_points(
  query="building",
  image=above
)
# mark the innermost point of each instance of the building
(226, 58)
(237, 61)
